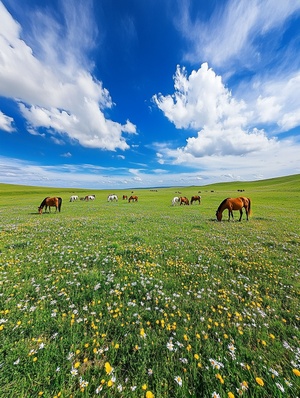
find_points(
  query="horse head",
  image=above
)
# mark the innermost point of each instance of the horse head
(219, 215)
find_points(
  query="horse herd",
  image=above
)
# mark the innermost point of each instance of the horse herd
(229, 204)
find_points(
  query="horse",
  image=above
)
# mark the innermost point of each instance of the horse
(73, 198)
(125, 197)
(133, 198)
(112, 198)
(195, 199)
(50, 202)
(184, 200)
(234, 204)
(175, 200)
(90, 197)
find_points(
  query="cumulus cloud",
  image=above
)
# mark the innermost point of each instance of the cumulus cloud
(201, 101)
(57, 90)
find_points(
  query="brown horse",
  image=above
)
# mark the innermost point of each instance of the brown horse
(133, 198)
(50, 202)
(125, 197)
(195, 199)
(234, 204)
(184, 200)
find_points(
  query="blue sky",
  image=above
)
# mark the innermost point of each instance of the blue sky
(131, 94)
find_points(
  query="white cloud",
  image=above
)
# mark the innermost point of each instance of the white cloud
(6, 123)
(201, 101)
(217, 40)
(57, 91)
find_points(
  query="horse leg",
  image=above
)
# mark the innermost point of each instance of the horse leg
(241, 214)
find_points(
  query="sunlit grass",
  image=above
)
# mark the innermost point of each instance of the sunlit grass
(149, 300)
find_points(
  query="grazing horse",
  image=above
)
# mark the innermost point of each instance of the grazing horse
(73, 198)
(195, 199)
(184, 200)
(112, 198)
(175, 200)
(50, 202)
(234, 204)
(90, 197)
(125, 197)
(133, 198)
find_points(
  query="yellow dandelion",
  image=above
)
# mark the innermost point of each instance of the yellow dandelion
(110, 383)
(230, 395)
(149, 394)
(296, 372)
(259, 381)
(144, 387)
(196, 356)
(108, 368)
(76, 365)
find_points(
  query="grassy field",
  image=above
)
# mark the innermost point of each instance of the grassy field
(147, 299)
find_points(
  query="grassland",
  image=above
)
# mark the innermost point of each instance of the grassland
(149, 300)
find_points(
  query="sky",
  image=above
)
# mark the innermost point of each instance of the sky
(114, 94)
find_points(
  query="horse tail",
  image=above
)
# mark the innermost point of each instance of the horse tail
(59, 203)
(249, 206)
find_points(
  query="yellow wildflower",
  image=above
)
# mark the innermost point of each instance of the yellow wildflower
(259, 381)
(296, 372)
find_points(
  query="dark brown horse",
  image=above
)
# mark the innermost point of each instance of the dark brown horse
(133, 198)
(184, 200)
(125, 197)
(234, 204)
(50, 202)
(196, 199)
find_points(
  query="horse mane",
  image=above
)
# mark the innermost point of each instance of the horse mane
(219, 208)
(44, 202)
(59, 203)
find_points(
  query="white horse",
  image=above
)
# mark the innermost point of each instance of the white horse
(73, 198)
(175, 200)
(112, 198)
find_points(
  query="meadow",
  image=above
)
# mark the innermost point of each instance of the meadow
(147, 299)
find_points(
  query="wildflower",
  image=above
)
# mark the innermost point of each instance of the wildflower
(133, 388)
(76, 365)
(215, 364)
(296, 372)
(120, 388)
(259, 381)
(230, 395)
(98, 389)
(150, 372)
(110, 383)
(83, 383)
(108, 368)
(280, 386)
(144, 387)
(170, 346)
(215, 395)
(142, 333)
(244, 386)
(274, 372)
(149, 394)
(74, 372)
(178, 380)
(17, 361)
(220, 378)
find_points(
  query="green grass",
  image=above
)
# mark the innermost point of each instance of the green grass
(170, 301)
